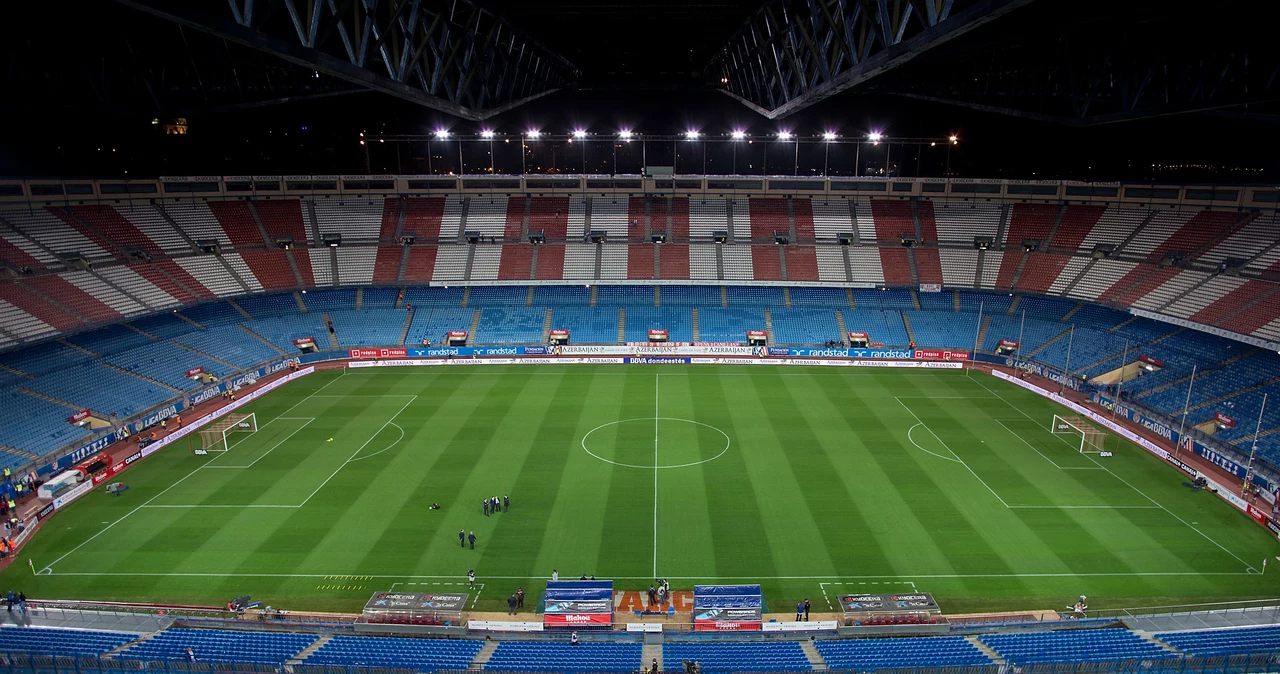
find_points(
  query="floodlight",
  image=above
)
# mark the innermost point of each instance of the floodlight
(579, 133)
(486, 133)
(830, 135)
(953, 138)
(784, 135)
(691, 134)
(533, 133)
(625, 134)
(442, 133)
(875, 136)
(738, 134)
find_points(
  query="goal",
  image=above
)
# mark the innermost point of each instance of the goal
(1092, 440)
(213, 438)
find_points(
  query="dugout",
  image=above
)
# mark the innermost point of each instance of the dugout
(889, 609)
(456, 338)
(558, 337)
(305, 344)
(1007, 347)
(859, 340)
(756, 337)
(411, 608)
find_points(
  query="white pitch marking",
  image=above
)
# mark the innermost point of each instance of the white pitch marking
(370, 456)
(1126, 482)
(947, 458)
(953, 453)
(655, 473)
(1046, 458)
(360, 449)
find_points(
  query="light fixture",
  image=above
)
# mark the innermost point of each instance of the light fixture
(533, 133)
(784, 135)
(625, 134)
(738, 134)
(579, 133)
(953, 138)
(830, 135)
(442, 133)
(691, 134)
(875, 136)
(486, 133)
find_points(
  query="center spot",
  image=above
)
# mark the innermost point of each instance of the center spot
(663, 442)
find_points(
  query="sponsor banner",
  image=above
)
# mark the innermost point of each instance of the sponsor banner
(1151, 361)
(737, 361)
(1009, 344)
(46, 511)
(507, 626)
(659, 361)
(155, 417)
(855, 336)
(934, 365)
(930, 287)
(303, 342)
(1182, 466)
(821, 363)
(888, 354)
(570, 606)
(644, 627)
(815, 626)
(779, 351)
(758, 334)
(1222, 461)
(540, 350)
(572, 619)
(78, 417)
(72, 494)
(1032, 367)
(940, 354)
(1182, 322)
(727, 625)
(378, 353)
(1225, 493)
(559, 334)
(194, 372)
(889, 603)
(1224, 420)
(414, 601)
(658, 335)
(456, 334)
(1258, 515)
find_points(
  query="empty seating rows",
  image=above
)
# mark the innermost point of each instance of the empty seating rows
(269, 648)
(69, 643)
(1074, 646)
(525, 656)
(419, 654)
(781, 656)
(1213, 643)
(866, 655)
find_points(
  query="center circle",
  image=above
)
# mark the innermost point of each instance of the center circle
(675, 442)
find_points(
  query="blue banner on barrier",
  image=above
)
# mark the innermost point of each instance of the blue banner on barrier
(727, 590)
(656, 361)
(882, 354)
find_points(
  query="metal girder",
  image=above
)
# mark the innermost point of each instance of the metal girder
(1085, 87)
(791, 54)
(448, 55)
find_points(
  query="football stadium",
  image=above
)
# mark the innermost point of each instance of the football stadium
(781, 336)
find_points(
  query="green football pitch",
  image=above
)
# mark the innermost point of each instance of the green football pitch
(811, 481)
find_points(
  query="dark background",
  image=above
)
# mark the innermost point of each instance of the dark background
(83, 87)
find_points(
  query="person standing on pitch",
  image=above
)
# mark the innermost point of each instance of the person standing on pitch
(555, 575)
(806, 609)
(506, 502)
(511, 605)
(471, 577)
(485, 505)
(799, 611)
(520, 598)
(462, 537)
(473, 540)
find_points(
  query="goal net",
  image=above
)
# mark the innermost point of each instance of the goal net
(1091, 439)
(213, 438)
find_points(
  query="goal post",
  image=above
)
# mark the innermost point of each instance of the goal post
(214, 437)
(1092, 440)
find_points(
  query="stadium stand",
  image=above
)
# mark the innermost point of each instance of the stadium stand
(783, 656)
(1216, 643)
(268, 648)
(61, 642)
(416, 654)
(524, 656)
(1074, 646)
(868, 655)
